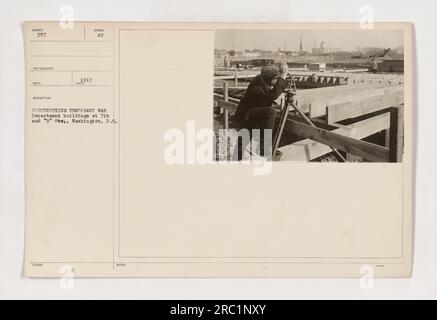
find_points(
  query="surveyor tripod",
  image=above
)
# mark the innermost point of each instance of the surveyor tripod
(290, 102)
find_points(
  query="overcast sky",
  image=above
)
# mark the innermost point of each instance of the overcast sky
(340, 39)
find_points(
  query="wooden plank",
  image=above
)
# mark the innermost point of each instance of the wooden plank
(401, 133)
(394, 135)
(230, 106)
(333, 92)
(218, 97)
(303, 151)
(355, 99)
(362, 106)
(315, 101)
(239, 76)
(225, 112)
(318, 107)
(226, 119)
(307, 150)
(368, 127)
(366, 150)
(387, 138)
(240, 87)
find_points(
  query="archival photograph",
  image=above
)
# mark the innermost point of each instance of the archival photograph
(309, 95)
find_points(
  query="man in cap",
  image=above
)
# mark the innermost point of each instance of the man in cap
(255, 110)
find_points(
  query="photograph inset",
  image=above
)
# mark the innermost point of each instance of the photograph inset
(309, 95)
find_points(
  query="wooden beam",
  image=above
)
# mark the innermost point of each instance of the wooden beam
(226, 119)
(225, 91)
(361, 106)
(307, 150)
(368, 127)
(401, 133)
(316, 101)
(240, 87)
(230, 106)
(239, 76)
(225, 112)
(366, 150)
(218, 97)
(333, 92)
(394, 135)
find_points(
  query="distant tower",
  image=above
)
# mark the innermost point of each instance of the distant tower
(301, 45)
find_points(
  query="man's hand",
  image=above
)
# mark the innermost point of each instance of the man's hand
(284, 70)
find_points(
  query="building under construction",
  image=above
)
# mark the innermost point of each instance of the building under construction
(358, 113)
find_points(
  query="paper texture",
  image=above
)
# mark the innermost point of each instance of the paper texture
(103, 100)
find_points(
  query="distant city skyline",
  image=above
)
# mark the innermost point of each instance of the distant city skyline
(346, 40)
